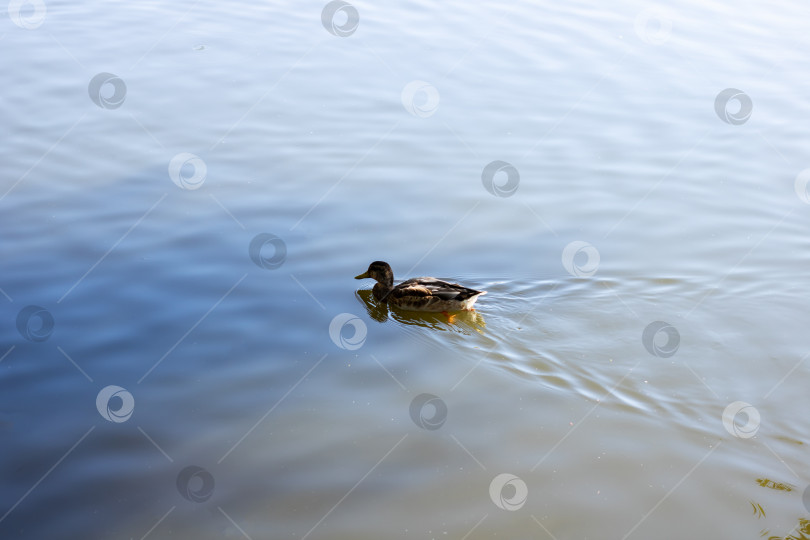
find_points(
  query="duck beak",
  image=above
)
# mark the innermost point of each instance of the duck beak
(362, 276)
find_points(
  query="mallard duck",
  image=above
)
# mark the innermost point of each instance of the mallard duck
(419, 294)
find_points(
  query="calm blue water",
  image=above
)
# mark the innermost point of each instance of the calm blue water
(188, 189)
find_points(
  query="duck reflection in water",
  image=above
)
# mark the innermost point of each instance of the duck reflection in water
(464, 322)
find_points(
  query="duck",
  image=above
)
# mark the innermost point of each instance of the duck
(419, 294)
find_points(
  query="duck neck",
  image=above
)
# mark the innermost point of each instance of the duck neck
(387, 280)
(380, 290)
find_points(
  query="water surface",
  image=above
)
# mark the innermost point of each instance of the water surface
(202, 288)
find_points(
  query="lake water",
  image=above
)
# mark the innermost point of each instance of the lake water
(188, 189)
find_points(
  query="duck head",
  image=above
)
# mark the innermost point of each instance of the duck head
(380, 272)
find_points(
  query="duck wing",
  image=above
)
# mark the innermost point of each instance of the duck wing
(432, 287)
